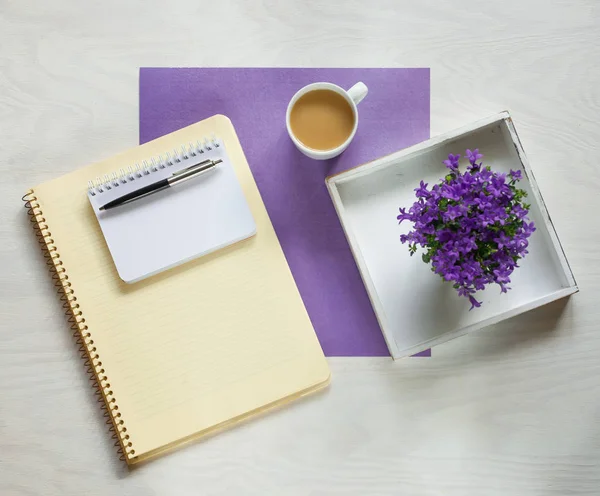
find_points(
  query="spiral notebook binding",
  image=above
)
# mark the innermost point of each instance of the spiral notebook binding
(151, 165)
(81, 332)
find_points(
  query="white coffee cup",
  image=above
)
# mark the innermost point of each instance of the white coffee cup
(353, 96)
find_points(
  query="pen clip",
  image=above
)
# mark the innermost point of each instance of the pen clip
(204, 163)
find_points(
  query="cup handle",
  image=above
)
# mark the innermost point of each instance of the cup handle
(358, 92)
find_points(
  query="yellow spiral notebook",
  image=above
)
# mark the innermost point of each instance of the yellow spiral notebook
(191, 350)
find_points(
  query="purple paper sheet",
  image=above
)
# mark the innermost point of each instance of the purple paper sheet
(394, 115)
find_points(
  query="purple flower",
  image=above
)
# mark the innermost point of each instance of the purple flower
(528, 228)
(422, 191)
(450, 274)
(464, 291)
(483, 202)
(473, 157)
(472, 226)
(515, 175)
(452, 255)
(484, 175)
(503, 240)
(502, 275)
(445, 235)
(403, 216)
(474, 303)
(435, 192)
(451, 192)
(498, 214)
(498, 185)
(452, 162)
(467, 244)
(519, 211)
(453, 212)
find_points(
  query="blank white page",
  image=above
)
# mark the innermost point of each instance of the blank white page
(176, 225)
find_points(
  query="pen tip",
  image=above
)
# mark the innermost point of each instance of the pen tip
(101, 208)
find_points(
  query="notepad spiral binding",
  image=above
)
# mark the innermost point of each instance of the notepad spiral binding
(81, 332)
(189, 152)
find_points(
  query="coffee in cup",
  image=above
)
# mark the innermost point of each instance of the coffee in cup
(322, 118)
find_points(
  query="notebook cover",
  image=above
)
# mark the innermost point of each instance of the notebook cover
(193, 349)
(394, 115)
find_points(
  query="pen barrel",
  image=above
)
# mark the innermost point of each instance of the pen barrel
(137, 194)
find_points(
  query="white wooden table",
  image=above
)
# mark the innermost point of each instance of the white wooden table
(511, 410)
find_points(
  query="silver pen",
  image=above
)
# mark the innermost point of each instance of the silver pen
(176, 178)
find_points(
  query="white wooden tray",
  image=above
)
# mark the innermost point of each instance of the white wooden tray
(415, 308)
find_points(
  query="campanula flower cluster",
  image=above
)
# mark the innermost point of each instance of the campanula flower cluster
(473, 226)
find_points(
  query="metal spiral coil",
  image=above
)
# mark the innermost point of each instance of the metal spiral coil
(81, 332)
(165, 160)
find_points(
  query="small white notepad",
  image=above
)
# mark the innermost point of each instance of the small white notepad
(176, 225)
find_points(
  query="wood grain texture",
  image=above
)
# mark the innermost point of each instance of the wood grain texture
(510, 410)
